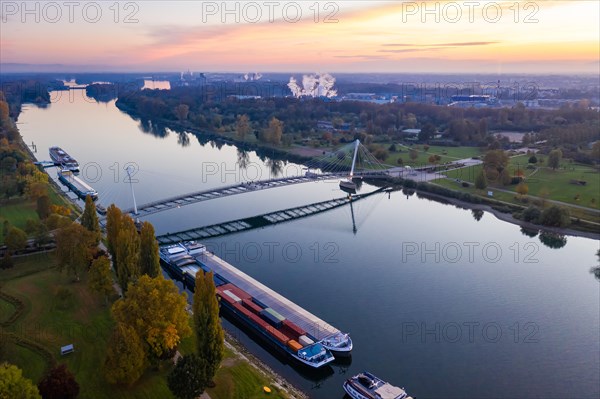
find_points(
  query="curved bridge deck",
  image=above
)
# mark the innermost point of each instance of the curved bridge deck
(236, 226)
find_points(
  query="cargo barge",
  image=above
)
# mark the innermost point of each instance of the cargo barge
(302, 335)
(64, 160)
(75, 184)
(366, 386)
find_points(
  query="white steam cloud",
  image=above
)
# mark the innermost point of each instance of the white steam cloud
(316, 85)
(252, 76)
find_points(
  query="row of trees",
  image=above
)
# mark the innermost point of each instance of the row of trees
(133, 254)
(301, 115)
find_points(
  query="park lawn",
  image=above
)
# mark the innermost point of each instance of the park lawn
(85, 322)
(17, 211)
(237, 379)
(448, 154)
(552, 184)
(556, 185)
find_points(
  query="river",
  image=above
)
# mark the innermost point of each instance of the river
(435, 300)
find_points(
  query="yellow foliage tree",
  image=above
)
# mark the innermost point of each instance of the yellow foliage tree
(156, 310)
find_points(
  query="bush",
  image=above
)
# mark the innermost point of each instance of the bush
(555, 216)
(466, 184)
(531, 214)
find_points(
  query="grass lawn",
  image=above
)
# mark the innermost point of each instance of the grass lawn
(17, 211)
(448, 154)
(85, 321)
(545, 182)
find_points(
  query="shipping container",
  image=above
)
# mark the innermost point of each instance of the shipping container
(295, 346)
(272, 317)
(231, 295)
(251, 306)
(305, 341)
(294, 327)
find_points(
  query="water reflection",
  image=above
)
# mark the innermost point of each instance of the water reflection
(553, 240)
(477, 214)
(183, 139)
(243, 158)
(529, 232)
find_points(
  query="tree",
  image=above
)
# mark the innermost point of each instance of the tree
(274, 132)
(554, 158)
(59, 383)
(182, 111)
(43, 207)
(100, 279)
(242, 127)
(14, 385)
(207, 326)
(125, 356)
(74, 245)
(522, 189)
(156, 310)
(128, 253)
(149, 258)
(532, 159)
(89, 219)
(555, 216)
(531, 214)
(188, 378)
(427, 132)
(494, 164)
(114, 219)
(16, 239)
(413, 154)
(481, 181)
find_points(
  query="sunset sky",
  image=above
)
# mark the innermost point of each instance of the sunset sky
(369, 36)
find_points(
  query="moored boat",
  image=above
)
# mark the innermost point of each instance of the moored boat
(64, 160)
(78, 186)
(367, 386)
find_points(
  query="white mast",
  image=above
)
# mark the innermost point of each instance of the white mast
(135, 210)
(357, 143)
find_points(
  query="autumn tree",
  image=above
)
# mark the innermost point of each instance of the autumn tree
(14, 385)
(127, 253)
(16, 239)
(522, 189)
(149, 258)
(59, 383)
(554, 158)
(74, 245)
(413, 154)
(125, 356)
(100, 279)
(114, 218)
(274, 132)
(89, 219)
(242, 126)
(207, 326)
(188, 378)
(43, 206)
(481, 181)
(156, 310)
(182, 111)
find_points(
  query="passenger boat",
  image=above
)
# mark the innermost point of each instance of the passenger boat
(348, 186)
(366, 386)
(64, 160)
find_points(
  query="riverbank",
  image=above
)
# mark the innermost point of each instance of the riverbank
(507, 217)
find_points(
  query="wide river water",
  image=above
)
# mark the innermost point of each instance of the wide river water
(435, 300)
